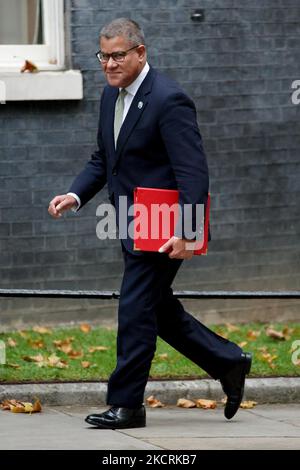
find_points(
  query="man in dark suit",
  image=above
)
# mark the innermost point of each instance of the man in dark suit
(148, 136)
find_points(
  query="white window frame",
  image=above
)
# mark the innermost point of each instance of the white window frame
(48, 56)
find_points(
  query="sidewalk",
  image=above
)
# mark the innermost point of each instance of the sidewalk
(263, 427)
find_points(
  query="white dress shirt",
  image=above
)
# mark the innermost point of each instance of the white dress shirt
(131, 92)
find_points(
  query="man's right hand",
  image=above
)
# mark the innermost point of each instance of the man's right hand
(60, 204)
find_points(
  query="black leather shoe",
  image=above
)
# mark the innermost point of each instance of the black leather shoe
(119, 418)
(233, 384)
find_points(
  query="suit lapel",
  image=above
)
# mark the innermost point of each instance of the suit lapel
(137, 108)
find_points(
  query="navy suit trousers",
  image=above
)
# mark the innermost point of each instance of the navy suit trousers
(148, 308)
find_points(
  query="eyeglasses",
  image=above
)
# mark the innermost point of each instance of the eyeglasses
(118, 56)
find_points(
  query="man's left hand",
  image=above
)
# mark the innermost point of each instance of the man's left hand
(180, 248)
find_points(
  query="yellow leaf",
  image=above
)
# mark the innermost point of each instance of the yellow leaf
(55, 361)
(16, 406)
(38, 358)
(36, 344)
(23, 334)
(247, 405)
(85, 327)
(231, 327)
(98, 348)
(184, 403)
(15, 366)
(66, 348)
(28, 407)
(163, 356)
(263, 349)
(42, 330)
(242, 344)
(63, 342)
(11, 342)
(154, 403)
(206, 404)
(85, 364)
(252, 335)
(75, 354)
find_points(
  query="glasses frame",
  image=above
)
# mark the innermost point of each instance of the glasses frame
(110, 56)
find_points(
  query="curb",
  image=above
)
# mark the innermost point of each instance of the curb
(263, 390)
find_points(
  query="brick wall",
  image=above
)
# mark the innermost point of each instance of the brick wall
(238, 66)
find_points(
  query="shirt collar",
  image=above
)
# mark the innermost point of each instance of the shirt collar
(134, 86)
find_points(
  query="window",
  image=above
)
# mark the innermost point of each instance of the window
(32, 30)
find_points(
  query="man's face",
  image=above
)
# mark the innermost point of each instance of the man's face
(122, 74)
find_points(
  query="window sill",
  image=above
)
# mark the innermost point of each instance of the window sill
(50, 85)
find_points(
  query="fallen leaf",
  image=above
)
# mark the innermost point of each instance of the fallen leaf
(38, 358)
(11, 342)
(29, 67)
(154, 403)
(16, 406)
(42, 330)
(275, 334)
(231, 327)
(163, 356)
(263, 349)
(242, 344)
(55, 361)
(247, 405)
(23, 334)
(269, 358)
(206, 404)
(36, 344)
(288, 332)
(15, 366)
(63, 342)
(184, 403)
(85, 364)
(98, 348)
(37, 407)
(85, 327)
(252, 335)
(66, 348)
(5, 405)
(75, 354)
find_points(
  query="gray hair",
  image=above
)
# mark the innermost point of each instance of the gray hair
(126, 28)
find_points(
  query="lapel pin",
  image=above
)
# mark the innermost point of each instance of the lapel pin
(140, 104)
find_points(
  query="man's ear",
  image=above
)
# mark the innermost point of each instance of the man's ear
(142, 52)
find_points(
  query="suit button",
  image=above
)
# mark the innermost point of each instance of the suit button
(114, 172)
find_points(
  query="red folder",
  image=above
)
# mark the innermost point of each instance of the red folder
(150, 235)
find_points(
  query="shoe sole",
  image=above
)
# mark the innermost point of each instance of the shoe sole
(136, 424)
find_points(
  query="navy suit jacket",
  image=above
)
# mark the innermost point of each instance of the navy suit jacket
(159, 146)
